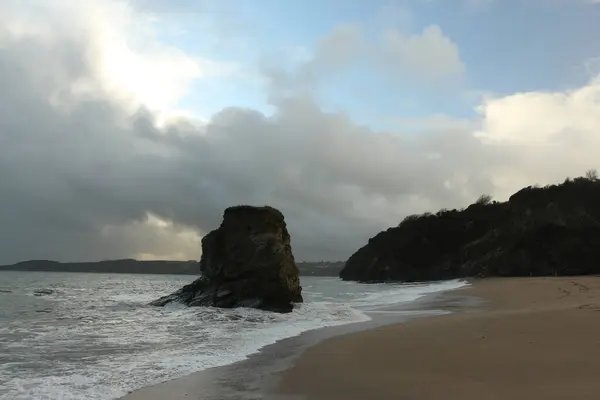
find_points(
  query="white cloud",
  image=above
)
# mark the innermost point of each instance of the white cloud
(122, 48)
(431, 54)
(549, 135)
(297, 70)
(429, 57)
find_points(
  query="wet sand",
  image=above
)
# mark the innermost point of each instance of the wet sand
(535, 338)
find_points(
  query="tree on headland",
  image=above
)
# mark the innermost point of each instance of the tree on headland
(591, 174)
(484, 199)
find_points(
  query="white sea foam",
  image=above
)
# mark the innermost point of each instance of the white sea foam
(393, 293)
(100, 340)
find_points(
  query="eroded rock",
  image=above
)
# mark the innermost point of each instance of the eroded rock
(246, 262)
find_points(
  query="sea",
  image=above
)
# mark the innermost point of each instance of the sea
(74, 336)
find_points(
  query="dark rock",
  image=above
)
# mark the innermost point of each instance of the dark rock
(246, 262)
(553, 230)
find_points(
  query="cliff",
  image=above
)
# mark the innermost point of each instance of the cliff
(554, 230)
(246, 262)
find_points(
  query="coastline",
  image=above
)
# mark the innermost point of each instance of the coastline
(534, 338)
(258, 376)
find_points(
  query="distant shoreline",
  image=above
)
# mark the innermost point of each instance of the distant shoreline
(161, 267)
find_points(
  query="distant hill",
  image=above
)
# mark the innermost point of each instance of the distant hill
(131, 266)
(127, 266)
(539, 231)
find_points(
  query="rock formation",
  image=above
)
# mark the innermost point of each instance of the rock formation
(554, 230)
(246, 262)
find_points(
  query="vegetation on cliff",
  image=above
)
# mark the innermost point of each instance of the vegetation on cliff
(551, 230)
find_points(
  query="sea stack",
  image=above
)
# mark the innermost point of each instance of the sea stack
(246, 262)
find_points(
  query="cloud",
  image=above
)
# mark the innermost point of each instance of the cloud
(551, 135)
(87, 172)
(430, 55)
(334, 53)
(119, 46)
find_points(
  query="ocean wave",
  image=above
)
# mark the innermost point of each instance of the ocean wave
(99, 344)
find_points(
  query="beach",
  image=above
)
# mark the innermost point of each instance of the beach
(530, 338)
(535, 338)
(256, 377)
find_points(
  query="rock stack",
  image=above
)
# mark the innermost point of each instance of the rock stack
(246, 262)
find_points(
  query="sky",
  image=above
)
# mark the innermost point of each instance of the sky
(127, 127)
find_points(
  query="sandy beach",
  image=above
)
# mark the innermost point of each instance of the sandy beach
(535, 338)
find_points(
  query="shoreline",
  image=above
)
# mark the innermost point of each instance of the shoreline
(534, 338)
(258, 376)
